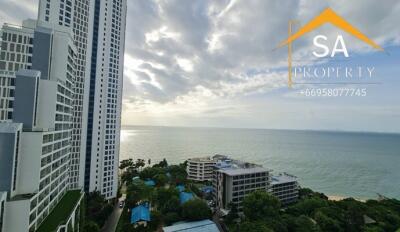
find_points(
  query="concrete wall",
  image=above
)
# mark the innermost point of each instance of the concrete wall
(62, 42)
(8, 142)
(41, 59)
(47, 104)
(17, 216)
(26, 90)
(3, 198)
(29, 171)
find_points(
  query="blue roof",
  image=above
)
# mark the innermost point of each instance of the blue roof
(197, 226)
(207, 189)
(140, 213)
(180, 188)
(184, 197)
(150, 183)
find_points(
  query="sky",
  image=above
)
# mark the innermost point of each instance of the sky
(207, 63)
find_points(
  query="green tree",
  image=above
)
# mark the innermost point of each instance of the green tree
(252, 226)
(233, 213)
(126, 163)
(162, 196)
(97, 208)
(91, 226)
(162, 164)
(160, 179)
(156, 220)
(375, 229)
(140, 163)
(195, 210)
(260, 204)
(307, 206)
(172, 205)
(326, 223)
(171, 217)
(354, 217)
(178, 173)
(150, 172)
(305, 224)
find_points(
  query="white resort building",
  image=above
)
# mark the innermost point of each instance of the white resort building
(285, 187)
(201, 169)
(233, 180)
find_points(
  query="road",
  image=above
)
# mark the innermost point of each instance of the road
(112, 221)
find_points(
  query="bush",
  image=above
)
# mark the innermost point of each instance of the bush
(195, 210)
(259, 205)
(170, 218)
(91, 226)
(248, 226)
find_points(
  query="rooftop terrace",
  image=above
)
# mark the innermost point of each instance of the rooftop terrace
(61, 212)
(283, 178)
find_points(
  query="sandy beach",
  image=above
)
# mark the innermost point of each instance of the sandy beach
(339, 198)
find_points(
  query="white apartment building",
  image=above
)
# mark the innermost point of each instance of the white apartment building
(76, 15)
(105, 97)
(233, 180)
(36, 146)
(285, 187)
(201, 169)
(15, 54)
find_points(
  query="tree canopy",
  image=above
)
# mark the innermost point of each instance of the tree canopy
(259, 205)
(195, 210)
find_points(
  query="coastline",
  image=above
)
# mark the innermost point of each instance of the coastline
(339, 198)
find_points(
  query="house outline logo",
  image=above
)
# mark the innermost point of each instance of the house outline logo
(326, 16)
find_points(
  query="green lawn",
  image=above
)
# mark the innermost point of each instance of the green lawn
(60, 213)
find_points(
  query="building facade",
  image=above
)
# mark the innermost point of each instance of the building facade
(233, 180)
(15, 54)
(35, 147)
(285, 187)
(201, 169)
(98, 28)
(3, 198)
(76, 15)
(105, 97)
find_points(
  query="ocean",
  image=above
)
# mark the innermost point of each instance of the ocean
(358, 165)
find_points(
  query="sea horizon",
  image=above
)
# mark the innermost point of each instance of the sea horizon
(272, 129)
(349, 164)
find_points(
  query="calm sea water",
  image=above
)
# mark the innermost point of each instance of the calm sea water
(336, 163)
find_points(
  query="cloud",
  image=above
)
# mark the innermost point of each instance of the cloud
(15, 11)
(205, 57)
(218, 44)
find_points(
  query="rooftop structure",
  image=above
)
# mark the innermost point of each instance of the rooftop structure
(185, 197)
(197, 226)
(141, 214)
(285, 187)
(180, 188)
(150, 183)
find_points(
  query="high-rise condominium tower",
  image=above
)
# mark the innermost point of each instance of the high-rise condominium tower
(35, 146)
(77, 15)
(99, 34)
(15, 54)
(105, 97)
